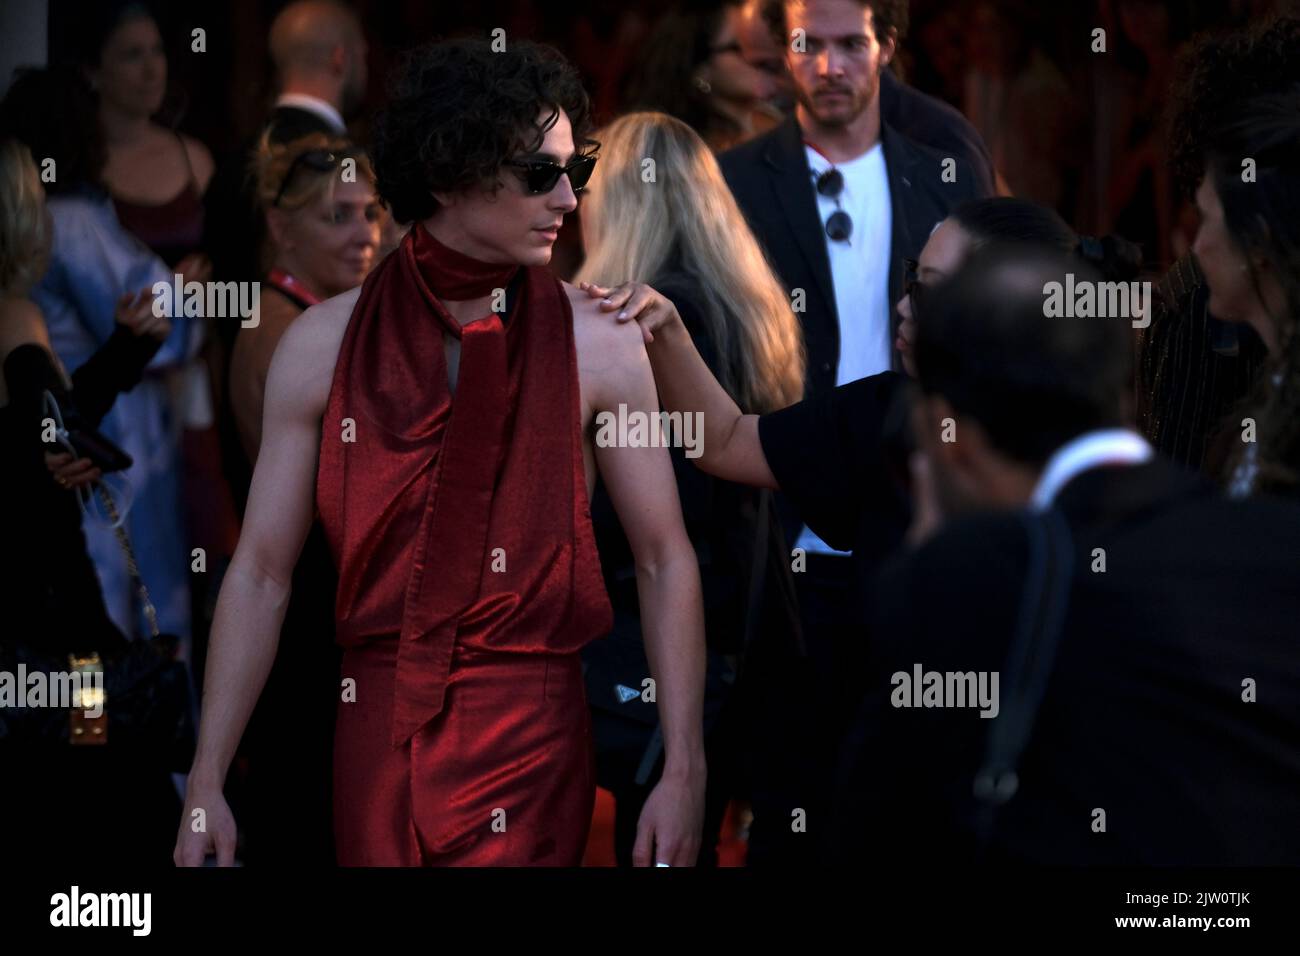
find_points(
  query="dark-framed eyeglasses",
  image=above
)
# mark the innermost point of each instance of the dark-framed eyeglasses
(541, 175)
(840, 225)
(321, 160)
(913, 288)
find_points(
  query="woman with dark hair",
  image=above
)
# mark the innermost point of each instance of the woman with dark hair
(1005, 220)
(155, 175)
(692, 68)
(1248, 246)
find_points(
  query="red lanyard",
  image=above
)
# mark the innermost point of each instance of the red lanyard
(292, 287)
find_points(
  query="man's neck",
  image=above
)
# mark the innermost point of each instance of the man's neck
(840, 144)
(320, 88)
(446, 231)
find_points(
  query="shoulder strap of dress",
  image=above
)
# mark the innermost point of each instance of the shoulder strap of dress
(185, 153)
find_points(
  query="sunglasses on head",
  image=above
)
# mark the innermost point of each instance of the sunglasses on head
(321, 160)
(840, 225)
(541, 175)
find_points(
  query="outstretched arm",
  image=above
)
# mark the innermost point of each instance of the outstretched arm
(731, 449)
(643, 490)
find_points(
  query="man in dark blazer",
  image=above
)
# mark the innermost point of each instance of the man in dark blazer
(319, 53)
(839, 200)
(1153, 618)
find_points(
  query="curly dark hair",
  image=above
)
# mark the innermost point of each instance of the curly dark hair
(886, 15)
(457, 111)
(1216, 74)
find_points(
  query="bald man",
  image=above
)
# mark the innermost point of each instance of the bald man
(319, 53)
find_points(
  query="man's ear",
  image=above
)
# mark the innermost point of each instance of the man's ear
(888, 47)
(445, 199)
(339, 59)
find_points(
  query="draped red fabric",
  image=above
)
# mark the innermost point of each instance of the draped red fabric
(457, 521)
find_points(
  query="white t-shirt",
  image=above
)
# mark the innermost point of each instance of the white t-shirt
(859, 272)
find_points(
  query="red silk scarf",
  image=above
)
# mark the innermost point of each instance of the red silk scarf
(457, 519)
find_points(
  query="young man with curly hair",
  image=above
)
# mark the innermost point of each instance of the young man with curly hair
(439, 420)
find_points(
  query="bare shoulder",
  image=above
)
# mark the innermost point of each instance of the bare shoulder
(601, 340)
(303, 367)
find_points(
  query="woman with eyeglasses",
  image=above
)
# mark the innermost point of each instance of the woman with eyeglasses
(693, 68)
(323, 225)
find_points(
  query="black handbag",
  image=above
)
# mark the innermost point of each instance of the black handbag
(625, 727)
(148, 701)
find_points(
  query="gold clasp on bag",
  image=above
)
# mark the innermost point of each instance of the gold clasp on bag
(88, 695)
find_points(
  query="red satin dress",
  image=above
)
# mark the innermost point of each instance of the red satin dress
(468, 572)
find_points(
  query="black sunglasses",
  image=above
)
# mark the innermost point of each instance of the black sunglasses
(840, 225)
(321, 160)
(913, 288)
(541, 175)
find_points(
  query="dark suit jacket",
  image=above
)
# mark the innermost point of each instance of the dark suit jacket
(932, 122)
(771, 180)
(1143, 715)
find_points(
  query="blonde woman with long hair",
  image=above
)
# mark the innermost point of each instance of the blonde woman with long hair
(657, 210)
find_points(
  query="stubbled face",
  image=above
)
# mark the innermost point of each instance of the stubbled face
(331, 243)
(943, 252)
(837, 77)
(132, 73)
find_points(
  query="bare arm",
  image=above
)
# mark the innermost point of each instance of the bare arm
(731, 449)
(255, 592)
(643, 490)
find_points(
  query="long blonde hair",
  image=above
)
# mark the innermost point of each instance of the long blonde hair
(657, 187)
